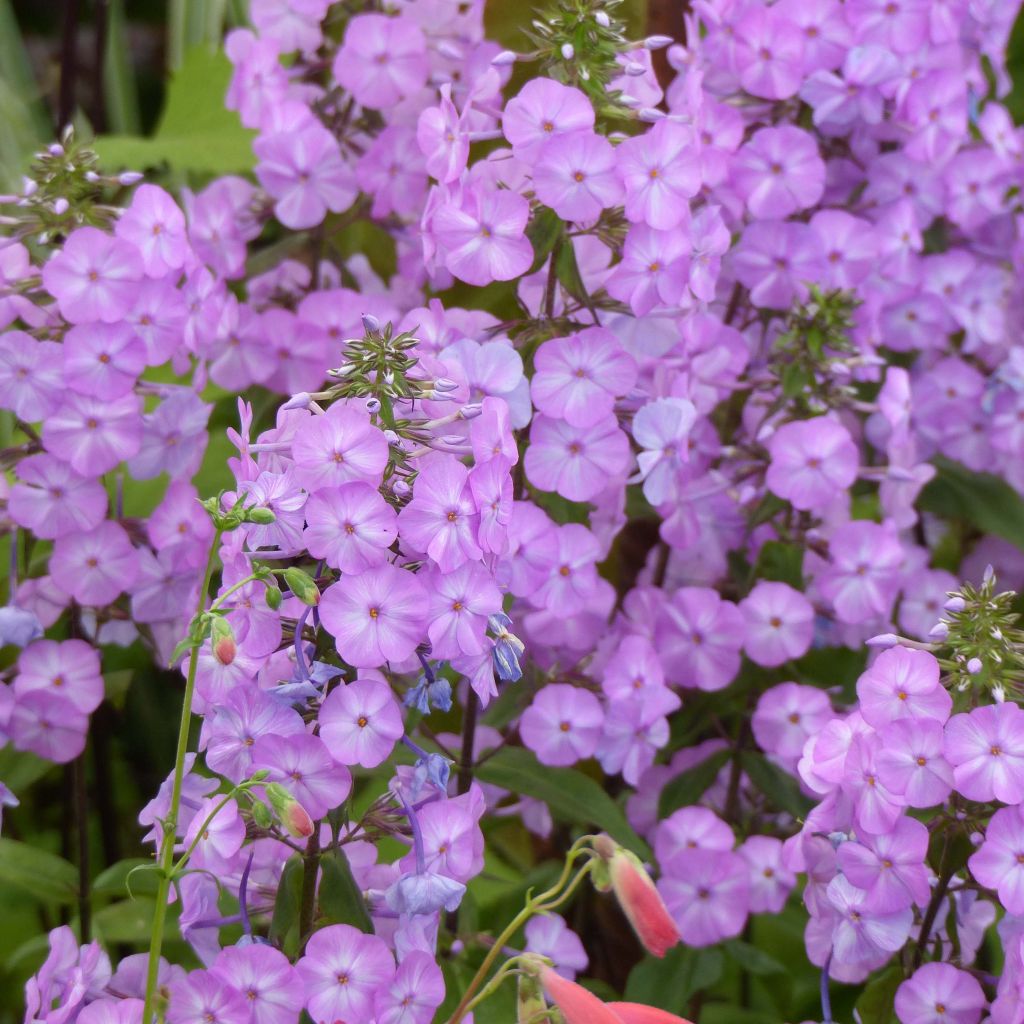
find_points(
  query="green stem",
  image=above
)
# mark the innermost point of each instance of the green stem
(227, 593)
(183, 859)
(533, 906)
(170, 825)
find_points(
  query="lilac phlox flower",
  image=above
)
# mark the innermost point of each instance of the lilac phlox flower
(219, 838)
(70, 977)
(155, 226)
(441, 519)
(245, 715)
(634, 732)
(442, 139)
(544, 109)
(662, 428)
(862, 576)
(862, 932)
(889, 867)
(576, 462)
(562, 725)
(550, 936)
(453, 844)
(688, 829)
(337, 448)
(709, 240)
(654, 269)
(779, 623)
(986, 749)
(304, 766)
(911, 762)
(786, 716)
(769, 53)
(633, 670)
(279, 494)
(576, 175)
(460, 603)
(699, 637)
(999, 863)
(50, 499)
(68, 669)
(351, 527)
(204, 998)
(112, 1011)
(490, 485)
(416, 992)
(381, 60)
(263, 975)
(902, 683)
(361, 722)
(938, 992)
(707, 894)
(304, 171)
(96, 566)
(93, 276)
(876, 809)
(811, 461)
(661, 173)
(93, 436)
(771, 881)
(578, 377)
(484, 237)
(31, 376)
(779, 172)
(775, 259)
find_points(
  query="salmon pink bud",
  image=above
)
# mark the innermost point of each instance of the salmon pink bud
(222, 639)
(291, 813)
(640, 901)
(578, 1006)
(637, 1013)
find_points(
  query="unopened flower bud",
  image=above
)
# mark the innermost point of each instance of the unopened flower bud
(262, 815)
(273, 596)
(471, 410)
(529, 1000)
(372, 405)
(505, 59)
(401, 489)
(304, 588)
(92, 177)
(568, 51)
(657, 42)
(634, 70)
(602, 19)
(650, 114)
(370, 323)
(129, 177)
(640, 900)
(60, 206)
(883, 640)
(578, 1005)
(955, 604)
(939, 631)
(260, 516)
(222, 640)
(55, 149)
(445, 384)
(974, 666)
(999, 694)
(289, 811)
(298, 401)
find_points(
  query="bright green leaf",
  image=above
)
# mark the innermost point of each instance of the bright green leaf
(571, 795)
(341, 901)
(875, 1005)
(671, 982)
(196, 132)
(45, 875)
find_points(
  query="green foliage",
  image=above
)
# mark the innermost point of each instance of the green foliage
(45, 875)
(875, 1005)
(196, 132)
(284, 924)
(689, 786)
(341, 902)
(570, 795)
(671, 982)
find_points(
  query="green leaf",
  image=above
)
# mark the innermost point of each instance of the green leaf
(986, 501)
(571, 795)
(779, 787)
(752, 959)
(129, 921)
(691, 785)
(134, 876)
(875, 1005)
(543, 231)
(341, 901)
(284, 923)
(782, 563)
(196, 132)
(671, 982)
(568, 273)
(44, 875)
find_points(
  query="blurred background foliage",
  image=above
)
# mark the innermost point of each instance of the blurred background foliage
(146, 79)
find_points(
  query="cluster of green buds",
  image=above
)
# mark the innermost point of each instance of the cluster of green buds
(578, 42)
(812, 357)
(979, 628)
(377, 366)
(63, 190)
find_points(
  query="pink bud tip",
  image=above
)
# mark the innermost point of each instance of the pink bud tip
(297, 820)
(224, 650)
(578, 1005)
(637, 1013)
(642, 904)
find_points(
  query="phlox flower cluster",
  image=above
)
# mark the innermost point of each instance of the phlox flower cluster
(627, 518)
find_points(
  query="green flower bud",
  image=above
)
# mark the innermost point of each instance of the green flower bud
(302, 586)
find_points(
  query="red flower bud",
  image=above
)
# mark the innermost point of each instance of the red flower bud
(222, 639)
(637, 1013)
(292, 814)
(642, 903)
(578, 1006)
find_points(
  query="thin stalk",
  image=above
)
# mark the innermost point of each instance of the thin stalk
(537, 905)
(310, 869)
(170, 826)
(80, 796)
(468, 742)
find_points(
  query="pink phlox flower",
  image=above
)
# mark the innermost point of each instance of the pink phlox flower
(155, 226)
(562, 725)
(986, 749)
(381, 60)
(542, 110)
(94, 276)
(577, 462)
